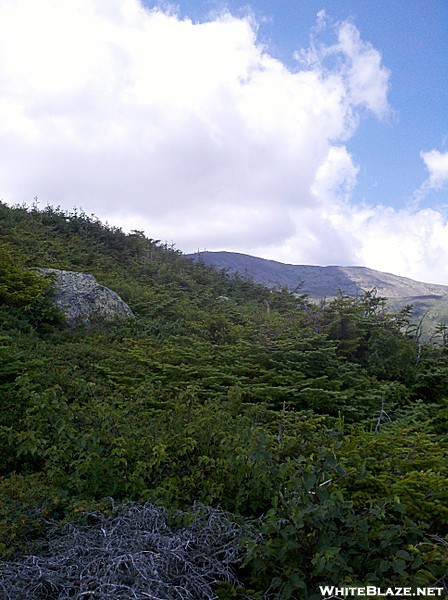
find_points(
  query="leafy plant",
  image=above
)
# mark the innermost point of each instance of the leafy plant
(322, 428)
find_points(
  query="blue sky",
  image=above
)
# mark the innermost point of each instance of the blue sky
(412, 37)
(303, 131)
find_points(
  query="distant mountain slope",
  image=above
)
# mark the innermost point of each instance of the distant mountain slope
(321, 282)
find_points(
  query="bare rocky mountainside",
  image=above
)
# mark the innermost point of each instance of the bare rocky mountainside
(427, 299)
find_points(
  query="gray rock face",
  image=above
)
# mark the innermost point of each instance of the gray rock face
(83, 301)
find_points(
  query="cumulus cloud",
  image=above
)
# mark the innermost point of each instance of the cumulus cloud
(437, 164)
(360, 68)
(412, 243)
(193, 132)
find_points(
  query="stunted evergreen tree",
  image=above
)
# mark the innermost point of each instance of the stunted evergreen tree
(320, 429)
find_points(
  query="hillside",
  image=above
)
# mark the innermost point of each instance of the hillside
(326, 282)
(228, 441)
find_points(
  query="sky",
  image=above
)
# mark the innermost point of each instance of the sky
(305, 131)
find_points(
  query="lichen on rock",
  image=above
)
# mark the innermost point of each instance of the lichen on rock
(83, 301)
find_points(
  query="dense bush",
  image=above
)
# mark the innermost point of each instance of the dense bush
(320, 429)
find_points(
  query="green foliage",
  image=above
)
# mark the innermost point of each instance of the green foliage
(18, 286)
(314, 534)
(25, 503)
(324, 426)
(407, 460)
(25, 290)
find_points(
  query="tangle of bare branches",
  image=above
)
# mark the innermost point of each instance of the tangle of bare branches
(138, 552)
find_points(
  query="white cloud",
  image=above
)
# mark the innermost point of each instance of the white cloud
(437, 164)
(367, 79)
(195, 133)
(410, 243)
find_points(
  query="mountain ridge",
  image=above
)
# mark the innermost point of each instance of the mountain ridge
(327, 282)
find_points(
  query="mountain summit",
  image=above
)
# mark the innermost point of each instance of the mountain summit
(328, 282)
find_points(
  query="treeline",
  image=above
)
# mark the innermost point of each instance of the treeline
(320, 430)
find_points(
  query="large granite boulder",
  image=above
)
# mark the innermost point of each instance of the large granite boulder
(83, 301)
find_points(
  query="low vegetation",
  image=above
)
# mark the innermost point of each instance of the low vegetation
(228, 442)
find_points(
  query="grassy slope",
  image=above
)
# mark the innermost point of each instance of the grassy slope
(252, 403)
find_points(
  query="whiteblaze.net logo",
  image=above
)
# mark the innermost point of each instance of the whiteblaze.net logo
(330, 591)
